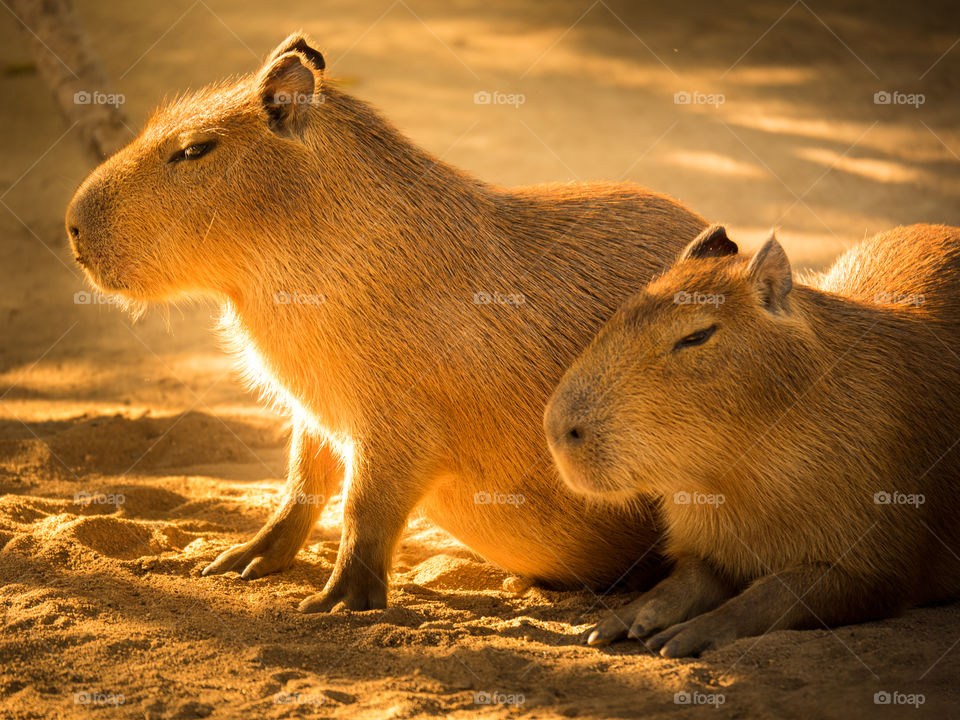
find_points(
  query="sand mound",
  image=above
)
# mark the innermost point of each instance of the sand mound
(443, 571)
(50, 527)
(118, 444)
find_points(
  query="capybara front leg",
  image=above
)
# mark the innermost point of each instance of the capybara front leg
(375, 512)
(692, 588)
(807, 596)
(315, 474)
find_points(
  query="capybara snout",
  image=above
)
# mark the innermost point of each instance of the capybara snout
(574, 435)
(583, 424)
(101, 239)
(134, 237)
(86, 232)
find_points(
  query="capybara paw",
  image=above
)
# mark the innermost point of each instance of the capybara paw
(344, 597)
(691, 638)
(252, 560)
(636, 620)
(613, 627)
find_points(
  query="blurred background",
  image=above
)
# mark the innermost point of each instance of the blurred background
(828, 120)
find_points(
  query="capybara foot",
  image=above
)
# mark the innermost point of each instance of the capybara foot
(637, 620)
(706, 632)
(254, 558)
(691, 589)
(345, 595)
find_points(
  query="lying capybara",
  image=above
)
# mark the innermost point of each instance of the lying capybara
(412, 318)
(802, 437)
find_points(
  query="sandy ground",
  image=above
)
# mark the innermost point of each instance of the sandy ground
(102, 606)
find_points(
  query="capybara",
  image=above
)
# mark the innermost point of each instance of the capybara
(801, 436)
(412, 318)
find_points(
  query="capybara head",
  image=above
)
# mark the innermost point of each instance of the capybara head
(682, 374)
(214, 176)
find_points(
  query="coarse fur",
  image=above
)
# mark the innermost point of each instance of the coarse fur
(802, 437)
(412, 318)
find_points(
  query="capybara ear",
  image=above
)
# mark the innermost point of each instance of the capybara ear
(300, 43)
(712, 242)
(770, 270)
(286, 90)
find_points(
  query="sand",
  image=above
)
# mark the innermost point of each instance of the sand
(130, 456)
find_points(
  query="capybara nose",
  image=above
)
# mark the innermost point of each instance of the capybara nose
(574, 436)
(564, 432)
(75, 232)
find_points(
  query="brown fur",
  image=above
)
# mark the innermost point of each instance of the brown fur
(806, 402)
(427, 396)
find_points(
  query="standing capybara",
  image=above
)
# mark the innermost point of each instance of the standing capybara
(802, 437)
(412, 318)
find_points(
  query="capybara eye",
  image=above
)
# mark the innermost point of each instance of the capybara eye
(192, 152)
(696, 338)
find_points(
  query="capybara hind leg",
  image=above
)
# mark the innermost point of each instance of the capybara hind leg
(804, 597)
(315, 474)
(375, 511)
(692, 588)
